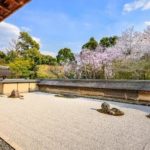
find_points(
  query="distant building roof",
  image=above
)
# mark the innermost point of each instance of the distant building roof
(18, 81)
(7, 7)
(4, 67)
(4, 71)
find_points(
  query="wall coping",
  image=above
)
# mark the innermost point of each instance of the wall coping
(138, 85)
(7, 81)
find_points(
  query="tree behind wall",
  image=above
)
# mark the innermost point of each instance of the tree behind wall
(21, 68)
(127, 59)
(91, 44)
(24, 55)
(65, 56)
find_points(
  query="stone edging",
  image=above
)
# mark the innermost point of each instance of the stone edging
(10, 142)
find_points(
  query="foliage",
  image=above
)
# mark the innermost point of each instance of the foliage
(24, 55)
(91, 44)
(26, 42)
(2, 55)
(34, 55)
(50, 72)
(123, 57)
(21, 68)
(11, 55)
(65, 56)
(108, 41)
(127, 57)
(132, 70)
(49, 60)
(95, 64)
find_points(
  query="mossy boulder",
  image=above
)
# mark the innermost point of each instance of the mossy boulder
(105, 108)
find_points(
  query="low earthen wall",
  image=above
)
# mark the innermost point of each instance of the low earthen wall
(7, 86)
(125, 91)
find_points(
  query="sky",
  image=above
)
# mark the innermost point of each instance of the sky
(57, 24)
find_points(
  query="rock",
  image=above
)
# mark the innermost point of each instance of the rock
(15, 94)
(111, 112)
(148, 116)
(105, 107)
(117, 112)
(66, 95)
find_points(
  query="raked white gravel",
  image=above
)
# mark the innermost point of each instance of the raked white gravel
(44, 122)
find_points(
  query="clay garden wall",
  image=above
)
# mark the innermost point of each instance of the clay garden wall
(7, 86)
(125, 91)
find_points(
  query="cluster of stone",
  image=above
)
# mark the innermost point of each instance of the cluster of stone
(148, 116)
(105, 108)
(66, 95)
(15, 94)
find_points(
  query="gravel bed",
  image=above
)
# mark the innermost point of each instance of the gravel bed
(42, 121)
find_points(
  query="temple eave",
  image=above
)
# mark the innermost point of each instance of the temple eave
(7, 7)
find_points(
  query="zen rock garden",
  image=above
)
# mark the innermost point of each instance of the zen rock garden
(105, 108)
(19, 121)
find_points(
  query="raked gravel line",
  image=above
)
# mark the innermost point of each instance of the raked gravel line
(44, 122)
